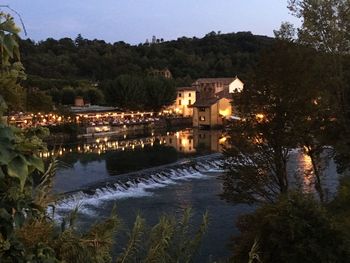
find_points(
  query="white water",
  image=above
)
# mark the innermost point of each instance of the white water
(135, 188)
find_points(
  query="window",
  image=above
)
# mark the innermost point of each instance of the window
(189, 102)
(202, 118)
(200, 109)
(189, 94)
(180, 94)
(179, 102)
(170, 140)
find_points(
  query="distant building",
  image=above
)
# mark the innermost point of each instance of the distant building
(213, 103)
(79, 101)
(208, 87)
(165, 73)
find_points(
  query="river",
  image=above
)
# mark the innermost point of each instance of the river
(152, 173)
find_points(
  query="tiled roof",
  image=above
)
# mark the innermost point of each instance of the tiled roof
(208, 101)
(186, 88)
(205, 102)
(224, 94)
(225, 81)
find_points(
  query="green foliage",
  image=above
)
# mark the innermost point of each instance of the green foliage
(18, 163)
(168, 241)
(68, 96)
(97, 60)
(135, 242)
(8, 34)
(279, 113)
(92, 246)
(295, 229)
(325, 27)
(126, 91)
(139, 93)
(38, 101)
(10, 88)
(12, 71)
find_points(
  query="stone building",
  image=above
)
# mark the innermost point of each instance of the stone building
(213, 100)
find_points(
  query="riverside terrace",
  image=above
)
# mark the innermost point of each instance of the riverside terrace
(85, 116)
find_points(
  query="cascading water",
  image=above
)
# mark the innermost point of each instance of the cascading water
(139, 186)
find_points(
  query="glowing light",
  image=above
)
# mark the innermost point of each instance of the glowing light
(225, 113)
(260, 117)
(222, 140)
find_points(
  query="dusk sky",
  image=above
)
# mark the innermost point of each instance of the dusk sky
(134, 21)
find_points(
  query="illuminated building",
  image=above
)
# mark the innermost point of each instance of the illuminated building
(185, 97)
(214, 96)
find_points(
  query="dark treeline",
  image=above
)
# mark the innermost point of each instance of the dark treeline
(65, 68)
(215, 55)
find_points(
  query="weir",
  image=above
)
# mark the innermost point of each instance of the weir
(139, 184)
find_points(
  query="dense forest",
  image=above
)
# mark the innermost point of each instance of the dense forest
(66, 67)
(215, 55)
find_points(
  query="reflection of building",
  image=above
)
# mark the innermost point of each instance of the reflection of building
(212, 140)
(192, 141)
(185, 97)
(185, 141)
(182, 141)
(213, 104)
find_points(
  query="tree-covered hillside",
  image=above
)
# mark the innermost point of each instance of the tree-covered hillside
(215, 55)
(119, 74)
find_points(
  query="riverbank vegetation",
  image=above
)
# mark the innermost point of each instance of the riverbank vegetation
(296, 99)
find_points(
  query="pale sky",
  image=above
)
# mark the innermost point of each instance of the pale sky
(134, 21)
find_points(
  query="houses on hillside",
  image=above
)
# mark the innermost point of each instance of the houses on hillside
(207, 101)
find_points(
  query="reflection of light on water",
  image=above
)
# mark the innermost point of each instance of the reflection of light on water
(185, 141)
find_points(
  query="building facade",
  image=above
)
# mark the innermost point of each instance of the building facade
(214, 96)
(185, 98)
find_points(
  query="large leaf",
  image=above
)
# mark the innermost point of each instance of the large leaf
(36, 162)
(19, 219)
(11, 46)
(2, 175)
(6, 132)
(6, 155)
(18, 168)
(9, 26)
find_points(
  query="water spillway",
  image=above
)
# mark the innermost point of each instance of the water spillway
(138, 185)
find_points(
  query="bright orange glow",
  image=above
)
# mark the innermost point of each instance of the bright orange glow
(222, 140)
(225, 113)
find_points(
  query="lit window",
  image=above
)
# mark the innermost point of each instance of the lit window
(202, 118)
